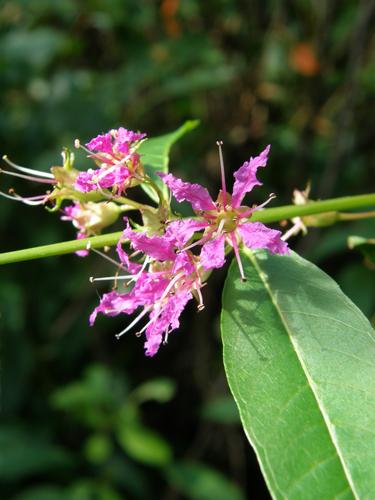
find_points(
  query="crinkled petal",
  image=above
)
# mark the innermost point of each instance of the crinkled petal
(101, 143)
(114, 303)
(103, 178)
(257, 235)
(125, 137)
(84, 182)
(213, 253)
(152, 344)
(149, 288)
(179, 232)
(132, 267)
(157, 247)
(246, 177)
(184, 262)
(195, 194)
(166, 320)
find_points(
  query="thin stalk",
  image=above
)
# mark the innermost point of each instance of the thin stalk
(267, 215)
(131, 203)
(356, 215)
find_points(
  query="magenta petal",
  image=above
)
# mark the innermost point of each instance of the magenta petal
(195, 194)
(101, 143)
(257, 235)
(152, 344)
(114, 303)
(157, 247)
(81, 253)
(184, 263)
(213, 253)
(84, 182)
(246, 177)
(132, 267)
(124, 137)
(149, 288)
(179, 232)
(167, 320)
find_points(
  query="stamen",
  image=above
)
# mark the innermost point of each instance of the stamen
(220, 227)
(200, 304)
(27, 201)
(271, 197)
(136, 276)
(106, 257)
(198, 242)
(223, 184)
(295, 229)
(27, 177)
(107, 278)
(28, 170)
(238, 258)
(94, 156)
(170, 285)
(134, 322)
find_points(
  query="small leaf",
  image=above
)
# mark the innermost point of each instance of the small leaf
(365, 246)
(91, 399)
(144, 445)
(199, 482)
(299, 358)
(155, 156)
(24, 454)
(98, 448)
(159, 389)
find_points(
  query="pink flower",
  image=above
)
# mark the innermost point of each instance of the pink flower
(163, 284)
(115, 153)
(226, 221)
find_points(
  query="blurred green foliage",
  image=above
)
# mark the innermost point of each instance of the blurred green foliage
(85, 416)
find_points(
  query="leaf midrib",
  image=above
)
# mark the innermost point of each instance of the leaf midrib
(312, 385)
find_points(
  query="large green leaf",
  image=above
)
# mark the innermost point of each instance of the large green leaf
(300, 361)
(155, 155)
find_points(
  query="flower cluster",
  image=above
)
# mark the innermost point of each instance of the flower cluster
(117, 159)
(166, 281)
(171, 274)
(168, 260)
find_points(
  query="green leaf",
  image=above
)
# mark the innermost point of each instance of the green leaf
(144, 445)
(155, 156)
(159, 389)
(93, 398)
(299, 358)
(198, 482)
(26, 453)
(44, 492)
(365, 246)
(98, 448)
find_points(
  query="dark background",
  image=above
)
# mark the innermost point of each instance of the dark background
(76, 420)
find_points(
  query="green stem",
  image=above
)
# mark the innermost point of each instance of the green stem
(315, 207)
(267, 215)
(131, 203)
(60, 248)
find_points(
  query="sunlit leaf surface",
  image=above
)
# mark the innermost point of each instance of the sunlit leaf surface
(299, 357)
